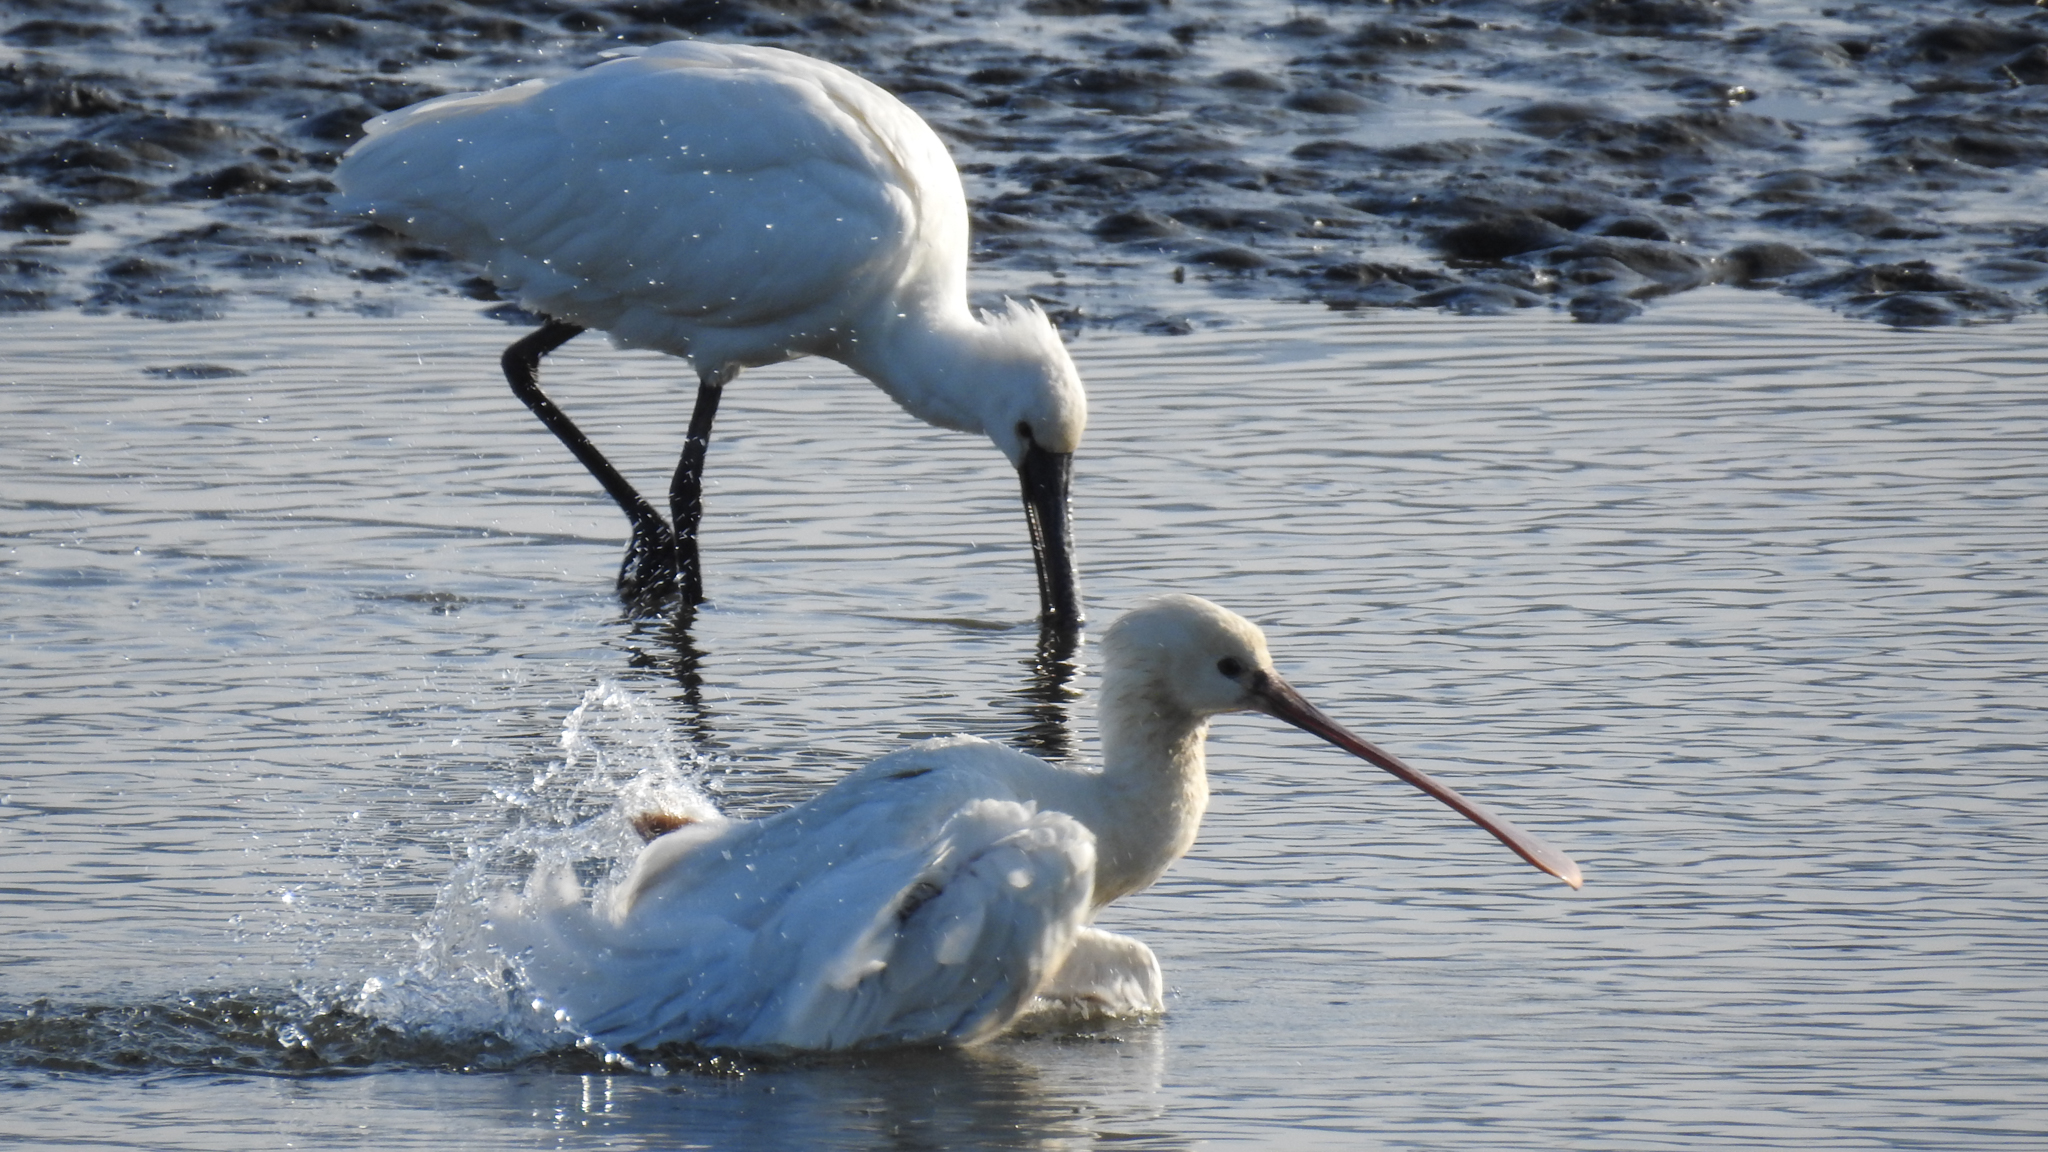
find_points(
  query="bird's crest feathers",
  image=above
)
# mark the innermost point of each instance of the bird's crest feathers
(1026, 322)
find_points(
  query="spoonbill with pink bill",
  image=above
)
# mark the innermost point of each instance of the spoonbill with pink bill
(939, 894)
(737, 206)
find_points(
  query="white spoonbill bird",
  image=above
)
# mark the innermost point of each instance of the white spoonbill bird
(938, 894)
(737, 206)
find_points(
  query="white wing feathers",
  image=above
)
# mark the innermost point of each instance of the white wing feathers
(954, 956)
(907, 905)
(1104, 975)
(684, 183)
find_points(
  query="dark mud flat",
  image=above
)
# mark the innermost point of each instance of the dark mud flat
(1475, 155)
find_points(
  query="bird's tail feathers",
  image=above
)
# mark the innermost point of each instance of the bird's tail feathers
(603, 973)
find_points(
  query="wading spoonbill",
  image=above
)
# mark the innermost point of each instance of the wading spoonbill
(737, 206)
(938, 894)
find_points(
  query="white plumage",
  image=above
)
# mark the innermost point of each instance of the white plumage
(739, 206)
(918, 900)
(938, 894)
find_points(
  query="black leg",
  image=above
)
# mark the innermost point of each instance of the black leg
(686, 491)
(649, 571)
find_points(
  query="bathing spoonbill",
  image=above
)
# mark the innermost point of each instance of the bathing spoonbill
(938, 894)
(737, 206)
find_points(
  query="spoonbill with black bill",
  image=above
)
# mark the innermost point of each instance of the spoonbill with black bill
(737, 206)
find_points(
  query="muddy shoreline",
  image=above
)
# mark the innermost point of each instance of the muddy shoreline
(1473, 155)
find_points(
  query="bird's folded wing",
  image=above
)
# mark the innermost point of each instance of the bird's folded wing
(726, 196)
(951, 956)
(943, 941)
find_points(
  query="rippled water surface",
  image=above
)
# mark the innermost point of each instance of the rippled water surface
(1740, 604)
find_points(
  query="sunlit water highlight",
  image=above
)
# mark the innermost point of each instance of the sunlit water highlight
(1740, 605)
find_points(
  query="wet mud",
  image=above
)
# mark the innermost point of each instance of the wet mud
(1473, 155)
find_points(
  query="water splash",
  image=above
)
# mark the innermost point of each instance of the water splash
(455, 1004)
(574, 815)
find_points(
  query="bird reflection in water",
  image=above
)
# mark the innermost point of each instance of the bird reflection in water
(666, 644)
(1047, 695)
(1034, 1093)
(1041, 708)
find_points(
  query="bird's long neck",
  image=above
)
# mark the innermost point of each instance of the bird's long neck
(1154, 788)
(931, 356)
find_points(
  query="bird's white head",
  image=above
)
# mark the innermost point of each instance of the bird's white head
(1030, 391)
(1179, 659)
(1006, 375)
(1188, 655)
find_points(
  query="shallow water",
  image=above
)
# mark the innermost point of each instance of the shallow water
(1738, 604)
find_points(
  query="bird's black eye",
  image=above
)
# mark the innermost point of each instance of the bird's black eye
(1024, 432)
(1230, 667)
